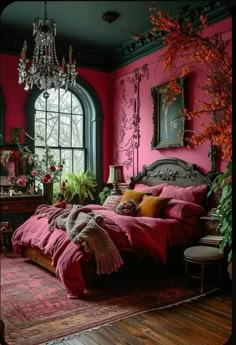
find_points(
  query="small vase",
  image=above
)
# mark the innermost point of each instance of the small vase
(48, 193)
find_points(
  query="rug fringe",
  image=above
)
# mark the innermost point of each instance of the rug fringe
(69, 337)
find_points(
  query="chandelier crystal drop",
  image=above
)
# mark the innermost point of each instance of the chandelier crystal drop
(44, 70)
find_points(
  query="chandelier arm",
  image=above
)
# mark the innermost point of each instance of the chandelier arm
(44, 70)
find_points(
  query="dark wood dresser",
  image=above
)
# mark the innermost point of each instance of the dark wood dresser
(16, 209)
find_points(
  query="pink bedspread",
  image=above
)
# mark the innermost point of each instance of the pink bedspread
(141, 235)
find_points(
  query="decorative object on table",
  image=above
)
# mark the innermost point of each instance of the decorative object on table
(44, 70)
(116, 176)
(43, 169)
(167, 121)
(80, 187)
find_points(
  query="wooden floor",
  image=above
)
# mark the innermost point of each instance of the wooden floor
(205, 321)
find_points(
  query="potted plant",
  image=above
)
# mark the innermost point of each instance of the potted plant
(104, 194)
(80, 187)
(223, 212)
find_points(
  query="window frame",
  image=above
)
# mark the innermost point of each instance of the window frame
(93, 124)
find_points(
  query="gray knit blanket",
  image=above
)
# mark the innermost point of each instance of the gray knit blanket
(85, 227)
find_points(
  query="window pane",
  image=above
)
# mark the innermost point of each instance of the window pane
(76, 105)
(65, 101)
(67, 156)
(39, 127)
(52, 101)
(40, 103)
(52, 129)
(65, 131)
(61, 129)
(79, 161)
(77, 131)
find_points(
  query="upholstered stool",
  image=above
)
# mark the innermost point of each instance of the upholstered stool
(203, 255)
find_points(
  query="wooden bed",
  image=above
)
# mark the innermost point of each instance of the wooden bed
(170, 170)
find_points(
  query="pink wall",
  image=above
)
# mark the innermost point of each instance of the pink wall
(125, 82)
(15, 98)
(120, 94)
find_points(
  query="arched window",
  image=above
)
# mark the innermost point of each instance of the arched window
(70, 123)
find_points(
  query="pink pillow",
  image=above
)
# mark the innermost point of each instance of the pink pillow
(112, 201)
(194, 194)
(182, 210)
(154, 190)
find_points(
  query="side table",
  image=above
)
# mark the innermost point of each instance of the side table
(210, 235)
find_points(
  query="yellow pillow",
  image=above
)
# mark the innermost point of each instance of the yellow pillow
(152, 206)
(132, 195)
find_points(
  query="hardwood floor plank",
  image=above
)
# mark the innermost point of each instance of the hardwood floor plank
(205, 321)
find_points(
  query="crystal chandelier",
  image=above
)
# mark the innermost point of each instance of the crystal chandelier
(44, 70)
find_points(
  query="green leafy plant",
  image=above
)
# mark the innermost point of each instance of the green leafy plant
(80, 187)
(104, 194)
(223, 183)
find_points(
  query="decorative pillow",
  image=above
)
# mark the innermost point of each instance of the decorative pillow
(179, 209)
(154, 190)
(132, 195)
(152, 206)
(127, 208)
(112, 201)
(194, 194)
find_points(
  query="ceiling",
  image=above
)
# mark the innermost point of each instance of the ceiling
(96, 43)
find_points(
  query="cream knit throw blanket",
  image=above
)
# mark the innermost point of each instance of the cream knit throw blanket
(86, 227)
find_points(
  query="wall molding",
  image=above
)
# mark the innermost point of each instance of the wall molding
(109, 60)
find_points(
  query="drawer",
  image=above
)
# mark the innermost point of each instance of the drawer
(22, 205)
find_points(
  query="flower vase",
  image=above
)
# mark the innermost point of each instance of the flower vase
(48, 193)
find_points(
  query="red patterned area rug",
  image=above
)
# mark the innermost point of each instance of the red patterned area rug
(35, 308)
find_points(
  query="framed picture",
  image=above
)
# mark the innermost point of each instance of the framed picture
(168, 124)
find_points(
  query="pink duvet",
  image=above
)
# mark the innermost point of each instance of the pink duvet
(141, 235)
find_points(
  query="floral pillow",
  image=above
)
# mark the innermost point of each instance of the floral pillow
(112, 201)
(127, 208)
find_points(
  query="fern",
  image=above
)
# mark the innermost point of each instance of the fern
(82, 184)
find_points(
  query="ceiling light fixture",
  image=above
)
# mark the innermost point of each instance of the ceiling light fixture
(110, 16)
(44, 70)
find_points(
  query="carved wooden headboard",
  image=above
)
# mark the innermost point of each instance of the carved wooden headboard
(172, 171)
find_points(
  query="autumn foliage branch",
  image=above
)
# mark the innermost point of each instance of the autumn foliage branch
(188, 51)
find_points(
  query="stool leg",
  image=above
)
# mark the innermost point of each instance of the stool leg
(202, 277)
(186, 268)
(220, 273)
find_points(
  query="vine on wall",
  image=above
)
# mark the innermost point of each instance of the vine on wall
(128, 118)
